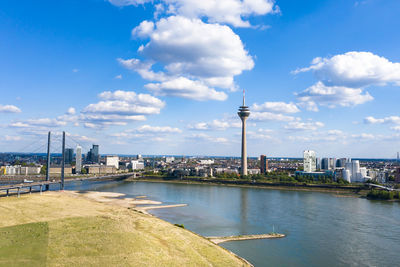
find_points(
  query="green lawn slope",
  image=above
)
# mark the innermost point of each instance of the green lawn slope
(60, 229)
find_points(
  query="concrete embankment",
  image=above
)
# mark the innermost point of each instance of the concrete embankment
(221, 239)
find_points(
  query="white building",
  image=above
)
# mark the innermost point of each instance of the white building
(137, 164)
(309, 161)
(112, 161)
(22, 170)
(78, 159)
(354, 173)
(206, 161)
(169, 159)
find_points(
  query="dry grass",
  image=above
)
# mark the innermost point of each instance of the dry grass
(60, 229)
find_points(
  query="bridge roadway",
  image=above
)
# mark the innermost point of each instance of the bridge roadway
(19, 187)
(384, 187)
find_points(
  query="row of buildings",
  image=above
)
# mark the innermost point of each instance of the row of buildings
(344, 168)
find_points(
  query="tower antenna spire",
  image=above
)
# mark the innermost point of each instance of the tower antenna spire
(243, 97)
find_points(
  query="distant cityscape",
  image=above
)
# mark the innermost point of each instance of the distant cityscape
(311, 166)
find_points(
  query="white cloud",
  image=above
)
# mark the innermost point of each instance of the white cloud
(128, 2)
(118, 77)
(355, 70)
(303, 126)
(41, 122)
(193, 57)
(259, 135)
(71, 111)
(186, 88)
(12, 138)
(390, 119)
(363, 136)
(157, 129)
(75, 70)
(331, 96)
(279, 107)
(120, 107)
(215, 125)
(231, 12)
(205, 137)
(395, 128)
(268, 116)
(9, 109)
(133, 98)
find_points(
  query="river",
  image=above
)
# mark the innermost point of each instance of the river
(322, 229)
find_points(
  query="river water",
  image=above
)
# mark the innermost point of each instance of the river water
(322, 229)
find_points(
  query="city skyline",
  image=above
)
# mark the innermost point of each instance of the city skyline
(112, 77)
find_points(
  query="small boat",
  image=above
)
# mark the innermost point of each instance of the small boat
(28, 181)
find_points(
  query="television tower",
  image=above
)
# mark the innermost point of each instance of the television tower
(244, 113)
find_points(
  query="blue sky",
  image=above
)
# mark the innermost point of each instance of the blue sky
(166, 76)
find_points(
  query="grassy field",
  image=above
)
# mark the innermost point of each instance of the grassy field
(60, 229)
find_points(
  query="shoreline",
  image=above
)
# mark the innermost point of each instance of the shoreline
(341, 192)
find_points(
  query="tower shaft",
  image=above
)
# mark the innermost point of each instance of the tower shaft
(244, 148)
(244, 113)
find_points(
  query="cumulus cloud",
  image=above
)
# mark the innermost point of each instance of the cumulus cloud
(193, 57)
(208, 138)
(120, 107)
(355, 69)
(303, 126)
(331, 96)
(269, 116)
(71, 111)
(147, 133)
(12, 138)
(128, 2)
(390, 119)
(279, 107)
(215, 125)
(41, 122)
(234, 12)
(157, 129)
(9, 109)
(186, 88)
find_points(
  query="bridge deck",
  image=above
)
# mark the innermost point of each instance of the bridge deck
(29, 186)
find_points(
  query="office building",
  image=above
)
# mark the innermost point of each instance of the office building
(263, 164)
(324, 164)
(69, 155)
(309, 161)
(93, 155)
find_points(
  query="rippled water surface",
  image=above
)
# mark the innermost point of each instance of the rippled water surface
(322, 229)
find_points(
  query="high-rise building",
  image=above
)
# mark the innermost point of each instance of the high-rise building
(69, 155)
(263, 164)
(309, 161)
(324, 164)
(93, 154)
(244, 113)
(318, 163)
(341, 163)
(78, 160)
